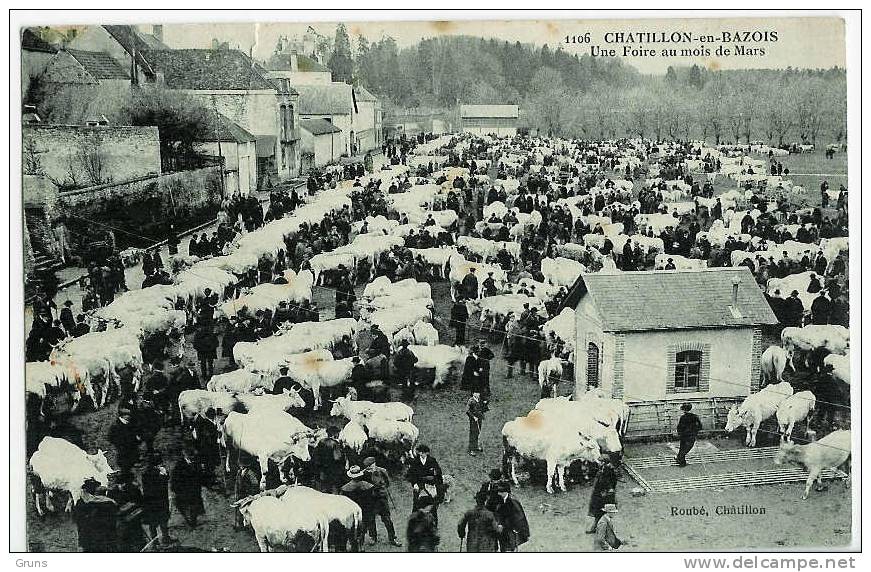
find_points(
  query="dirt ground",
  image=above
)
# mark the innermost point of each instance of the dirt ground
(556, 521)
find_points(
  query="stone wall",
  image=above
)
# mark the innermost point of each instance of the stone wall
(138, 210)
(61, 151)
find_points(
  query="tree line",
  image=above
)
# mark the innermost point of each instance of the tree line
(563, 94)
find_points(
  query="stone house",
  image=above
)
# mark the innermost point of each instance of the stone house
(335, 103)
(230, 83)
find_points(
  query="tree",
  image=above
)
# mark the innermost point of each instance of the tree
(340, 62)
(695, 77)
(670, 76)
(547, 101)
(182, 122)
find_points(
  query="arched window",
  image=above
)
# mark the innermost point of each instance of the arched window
(687, 369)
(592, 365)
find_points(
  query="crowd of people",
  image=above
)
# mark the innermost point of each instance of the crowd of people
(130, 514)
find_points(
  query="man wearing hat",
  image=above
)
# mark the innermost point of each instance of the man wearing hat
(155, 499)
(489, 285)
(604, 491)
(479, 527)
(687, 429)
(378, 354)
(96, 517)
(512, 518)
(186, 484)
(380, 480)
(470, 285)
(361, 492)
(404, 363)
(475, 412)
(123, 435)
(459, 317)
(422, 534)
(330, 461)
(606, 539)
(66, 317)
(425, 476)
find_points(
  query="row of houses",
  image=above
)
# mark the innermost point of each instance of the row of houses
(270, 122)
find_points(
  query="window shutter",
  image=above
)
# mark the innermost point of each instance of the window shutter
(670, 360)
(705, 371)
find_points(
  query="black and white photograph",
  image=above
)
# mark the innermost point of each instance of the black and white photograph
(493, 283)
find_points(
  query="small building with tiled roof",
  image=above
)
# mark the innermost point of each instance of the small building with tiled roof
(335, 102)
(322, 142)
(659, 339)
(124, 44)
(228, 140)
(232, 84)
(499, 120)
(299, 69)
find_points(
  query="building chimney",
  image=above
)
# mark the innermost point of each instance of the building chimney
(735, 282)
(157, 31)
(733, 308)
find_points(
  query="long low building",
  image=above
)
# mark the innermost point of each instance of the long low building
(500, 120)
(322, 142)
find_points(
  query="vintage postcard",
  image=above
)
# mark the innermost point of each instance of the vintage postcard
(544, 285)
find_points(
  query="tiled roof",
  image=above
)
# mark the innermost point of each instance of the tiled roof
(364, 94)
(132, 43)
(282, 62)
(502, 111)
(673, 299)
(99, 64)
(208, 70)
(327, 99)
(221, 126)
(319, 126)
(30, 40)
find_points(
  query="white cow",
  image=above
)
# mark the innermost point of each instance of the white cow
(60, 465)
(268, 435)
(442, 358)
(756, 408)
(773, 363)
(278, 524)
(317, 374)
(830, 452)
(792, 410)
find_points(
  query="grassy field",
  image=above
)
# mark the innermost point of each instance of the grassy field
(557, 521)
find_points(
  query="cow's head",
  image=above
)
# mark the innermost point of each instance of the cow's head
(733, 419)
(338, 407)
(101, 464)
(290, 398)
(787, 453)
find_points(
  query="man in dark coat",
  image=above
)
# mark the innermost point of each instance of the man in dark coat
(821, 309)
(66, 318)
(479, 527)
(511, 516)
(425, 476)
(470, 285)
(361, 492)
(422, 533)
(128, 497)
(330, 461)
(123, 435)
(186, 485)
(404, 361)
(459, 317)
(687, 429)
(793, 310)
(155, 499)
(207, 437)
(96, 517)
(380, 480)
(378, 354)
(206, 345)
(604, 492)
(475, 412)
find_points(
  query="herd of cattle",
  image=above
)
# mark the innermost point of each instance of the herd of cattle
(556, 431)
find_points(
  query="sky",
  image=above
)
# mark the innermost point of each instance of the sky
(803, 42)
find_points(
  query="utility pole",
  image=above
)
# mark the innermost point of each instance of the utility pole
(220, 154)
